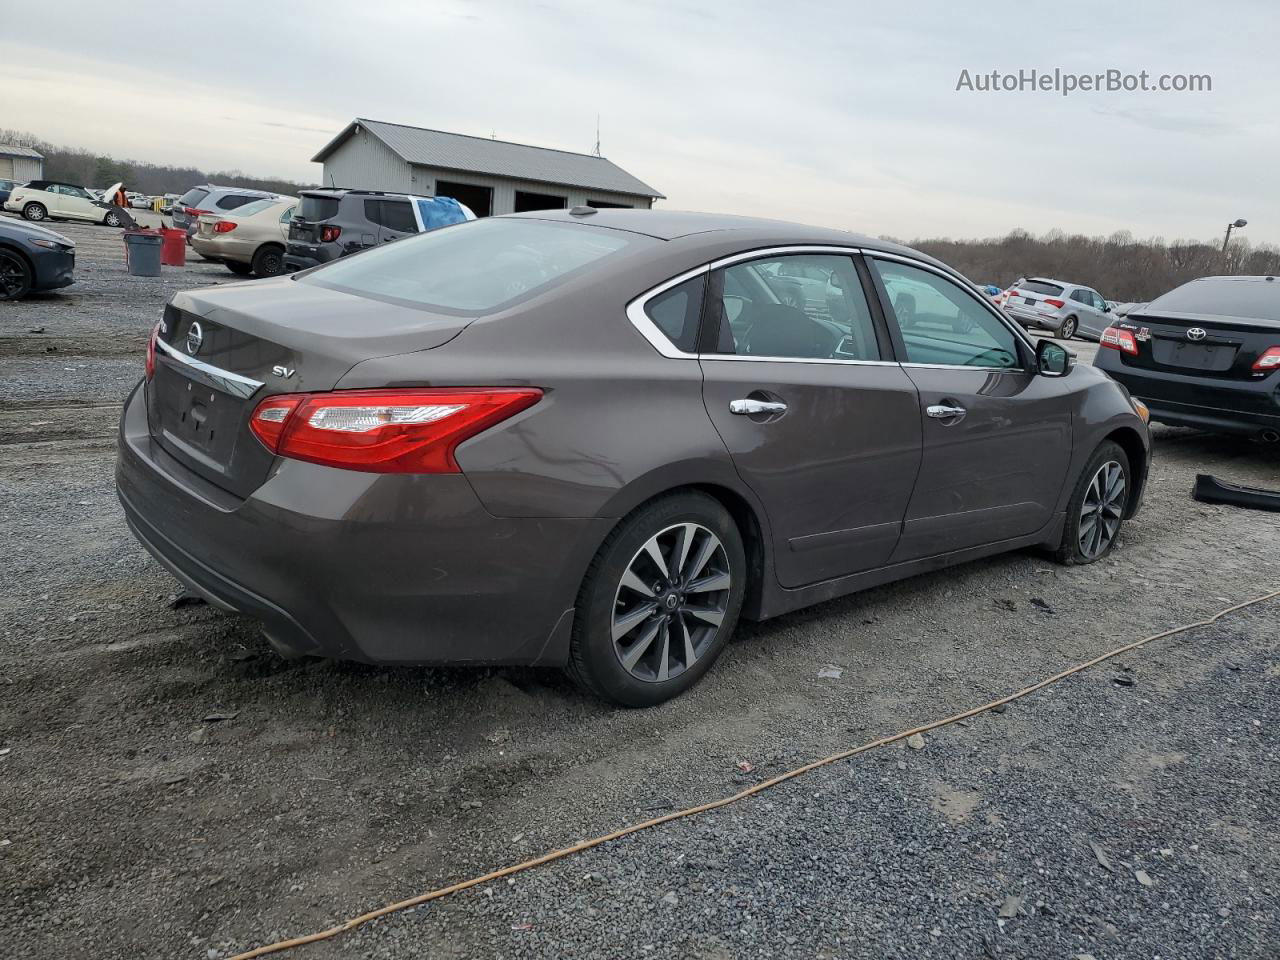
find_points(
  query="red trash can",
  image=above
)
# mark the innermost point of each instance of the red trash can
(173, 250)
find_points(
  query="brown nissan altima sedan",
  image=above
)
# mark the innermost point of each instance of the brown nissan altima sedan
(596, 438)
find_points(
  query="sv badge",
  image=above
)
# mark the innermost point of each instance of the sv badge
(282, 371)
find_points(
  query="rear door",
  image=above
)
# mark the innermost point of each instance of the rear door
(393, 217)
(996, 436)
(821, 422)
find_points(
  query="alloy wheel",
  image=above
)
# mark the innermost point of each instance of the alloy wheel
(1068, 328)
(1102, 510)
(671, 602)
(13, 277)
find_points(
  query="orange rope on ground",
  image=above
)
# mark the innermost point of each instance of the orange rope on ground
(725, 801)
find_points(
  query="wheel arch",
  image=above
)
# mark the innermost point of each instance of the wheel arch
(1128, 440)
(721, 482)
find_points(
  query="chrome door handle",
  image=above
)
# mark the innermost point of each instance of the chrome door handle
(941, 411)
(749, 406)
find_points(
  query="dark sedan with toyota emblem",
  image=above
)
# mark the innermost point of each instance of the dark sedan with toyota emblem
(1205, 355)
(596, 438)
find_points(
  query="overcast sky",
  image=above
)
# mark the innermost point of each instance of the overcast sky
(837, 113)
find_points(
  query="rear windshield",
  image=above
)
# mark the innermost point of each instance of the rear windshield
(317, 208)
(1039, 286)
(257, 206)
(474, 267)
(193, 197)
(1259, 299)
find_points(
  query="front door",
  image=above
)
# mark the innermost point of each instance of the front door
(997, 437)
(821, 423)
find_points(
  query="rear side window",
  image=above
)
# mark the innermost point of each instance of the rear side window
(676, 312)
(193, 197)
(249, 209)
(1258, 299)
(476, 267)
(234, 200)
(1039, 286)
(316, 208)
(392, 214)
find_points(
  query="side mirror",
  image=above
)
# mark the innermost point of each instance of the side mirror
(1053, 359)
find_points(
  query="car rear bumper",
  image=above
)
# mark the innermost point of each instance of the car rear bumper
(1034, 318)
(220, 251)
(1209, 403)
(374, 567)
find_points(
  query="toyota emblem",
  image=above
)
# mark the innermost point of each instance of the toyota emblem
(1195, 333)
(195, 337)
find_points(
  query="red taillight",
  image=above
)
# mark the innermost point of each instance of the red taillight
(194, 211)
(224, 226)
(151, 351)
(1119, 339)
(330, 234)
(384, 431)
(1269, 359)
(1056, 303)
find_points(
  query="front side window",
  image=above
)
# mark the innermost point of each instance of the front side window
(941, 323)
(476, 267)
(801, 306)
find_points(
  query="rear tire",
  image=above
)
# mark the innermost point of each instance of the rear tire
(35, 212)
(648, 626)
(15, 276)
(1097, 508)
(268, 261)
(1067, 329)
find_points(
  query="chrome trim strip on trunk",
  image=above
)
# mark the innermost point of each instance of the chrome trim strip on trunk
(233, 383)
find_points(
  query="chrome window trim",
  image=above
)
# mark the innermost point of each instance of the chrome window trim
(659, 341)
(233, 383)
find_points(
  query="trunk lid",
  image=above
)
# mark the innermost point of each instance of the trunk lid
(1204, 345)
(222, 350)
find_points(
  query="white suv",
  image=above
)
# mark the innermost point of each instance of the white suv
(42, 200)
(1065, 308)
(207, 198)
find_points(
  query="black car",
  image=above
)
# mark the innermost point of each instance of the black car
(332, 223)
(33, 258)
(1206, 355)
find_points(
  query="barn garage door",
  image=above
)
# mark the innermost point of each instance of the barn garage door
(6, 168)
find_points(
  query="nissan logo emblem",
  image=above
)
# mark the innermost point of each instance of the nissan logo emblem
(195, 337)
(1196, 333)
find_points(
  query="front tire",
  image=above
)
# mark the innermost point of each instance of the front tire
(659, 601)
(15, 276)
(1067, 329)
(1097, 508)
(35, 212)
(112, 219)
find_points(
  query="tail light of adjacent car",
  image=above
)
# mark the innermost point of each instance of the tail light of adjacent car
(1120, 339)
(151, 351)
(194, 211)
(1056, 303)
(1269, 359)
(224, 226)
(384, 431)
(330, 234)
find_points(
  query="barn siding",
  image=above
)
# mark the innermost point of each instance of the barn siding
(504, 189)
(366, 163)
(27, 168)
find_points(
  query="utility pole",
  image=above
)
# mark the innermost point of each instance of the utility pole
(596, 151)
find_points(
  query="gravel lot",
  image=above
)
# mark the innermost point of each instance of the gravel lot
(170, 788)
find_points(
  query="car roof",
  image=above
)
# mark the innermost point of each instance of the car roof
(214, 188)
(679, 224)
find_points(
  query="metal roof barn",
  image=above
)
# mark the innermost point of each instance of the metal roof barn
(490, 176)
(20, 163)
